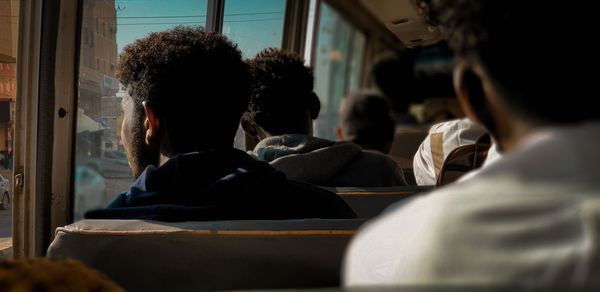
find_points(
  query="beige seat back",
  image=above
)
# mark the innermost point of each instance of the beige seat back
(405, 145)
(368, 202)
(221, 255)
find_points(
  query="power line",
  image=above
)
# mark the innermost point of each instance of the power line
(188, 16)
(159, 23)
(146, 17)
(196, 22)
(254, 13)
(252, 20)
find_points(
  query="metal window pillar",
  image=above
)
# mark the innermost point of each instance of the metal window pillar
(214, 15)
(294, 27)
(26, 218)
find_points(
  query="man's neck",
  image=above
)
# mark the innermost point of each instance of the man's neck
(518, 134)
(163, 159)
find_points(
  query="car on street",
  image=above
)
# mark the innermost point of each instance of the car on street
(5, 193)
(108, 163)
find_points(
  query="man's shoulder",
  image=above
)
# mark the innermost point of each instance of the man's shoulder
(307, 190)
(374, 161)
(463, 229)
(119, 201)
(369, 168)
(376, 156)
(320, 200)
(430, 214)
(464, 210)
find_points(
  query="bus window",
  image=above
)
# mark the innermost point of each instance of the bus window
(9, 15)
(254, 25)
(337, 66)
(101, 167)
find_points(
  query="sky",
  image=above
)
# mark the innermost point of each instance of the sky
(137, 18)
(254, 24)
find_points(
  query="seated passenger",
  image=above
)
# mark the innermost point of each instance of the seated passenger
(441, 140)
(282, 107)
(394, 76)
(530, 218)
(365, 120)
(187, 90)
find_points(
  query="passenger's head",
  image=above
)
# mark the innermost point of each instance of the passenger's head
(517, 69)
(365, 120)
(282, 99)
(187, 89)
(394, 76)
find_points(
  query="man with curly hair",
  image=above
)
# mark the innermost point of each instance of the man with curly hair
(187, 89)
(531, 217)
(279, 118)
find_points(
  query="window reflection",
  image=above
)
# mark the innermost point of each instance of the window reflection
(337, 66)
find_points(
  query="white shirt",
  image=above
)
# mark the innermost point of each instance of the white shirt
(454, 133)
(532, 217)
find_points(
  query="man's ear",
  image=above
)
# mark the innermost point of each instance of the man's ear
(249, 127)
(468, 86)
(151, 124)
(250, 134)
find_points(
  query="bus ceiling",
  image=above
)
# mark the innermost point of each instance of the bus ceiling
(403, 20)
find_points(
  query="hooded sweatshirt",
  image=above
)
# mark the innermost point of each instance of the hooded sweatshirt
(328, 163)
(220, 185)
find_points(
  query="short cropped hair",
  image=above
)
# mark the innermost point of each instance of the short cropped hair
(365, 119)
(526, 48)
(196, 81)
(282, 92)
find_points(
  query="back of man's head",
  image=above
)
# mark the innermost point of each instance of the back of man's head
(195, 81)
(394, 76)
(282, 99)
(365, 120)
(534, 52)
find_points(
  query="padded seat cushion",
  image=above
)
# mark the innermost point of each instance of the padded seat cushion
(221, 255)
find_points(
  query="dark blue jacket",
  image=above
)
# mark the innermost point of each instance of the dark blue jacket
(220, 185)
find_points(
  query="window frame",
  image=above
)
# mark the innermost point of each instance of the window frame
(65, 114)
(68, 43)
(46, 111)
(295, 24)
(35, 71)
(66, 97)
(28, 55)
(378, 37)
(214, 15)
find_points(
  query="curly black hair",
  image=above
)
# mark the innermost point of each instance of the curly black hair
(195, 80)
(282, 92)
(519, 45)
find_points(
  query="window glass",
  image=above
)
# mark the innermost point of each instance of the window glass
(310, 28)
(356, 61)
(102, 170)
(254, 25)
(9, 19)
(338, 59)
